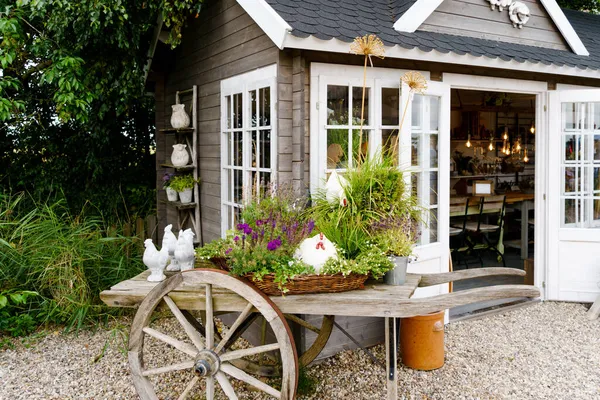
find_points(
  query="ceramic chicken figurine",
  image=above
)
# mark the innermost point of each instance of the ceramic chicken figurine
(184, 251)
(170, 242)
(334, 189)
(155, 260)
(315, 251)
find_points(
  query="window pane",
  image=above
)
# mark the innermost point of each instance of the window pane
(337, 105)
(265, 180)
(572, 144)
(237, 149)
(357, 106)
(415, 181)
(254, 146)
(265, 106)
(433, 151)
(228, 111)
(433, 225)
(265, 149)
(390, 106)
(596, 212)
(434, 113)
(237, 186)
(253, 110)
(229, 160)
(416, 156)
(569, 116)
(417, 111)
(237, 110)
(596, 115)
(362, 142)
(570, 211)
(433, 188)
(596, 144)
(389, 142)
(337, 148)
(572, 181)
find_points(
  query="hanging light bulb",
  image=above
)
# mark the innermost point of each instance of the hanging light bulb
(518, 146)
(491, 146)
(525, 158)
(505, 137)
(532, 129)
(468, 144)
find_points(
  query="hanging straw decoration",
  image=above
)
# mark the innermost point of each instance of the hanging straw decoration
(368, 46)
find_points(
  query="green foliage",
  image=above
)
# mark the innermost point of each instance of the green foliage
(66, 259)
(72, 98)
(371, 261)
(14, 319)
(375, 191)
(581, 5)
(181, 182)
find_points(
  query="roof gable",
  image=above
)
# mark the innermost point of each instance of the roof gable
(439, 16)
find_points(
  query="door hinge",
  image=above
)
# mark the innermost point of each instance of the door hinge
(544, 196)
(317, 105)
(545, 108)
(544, 284)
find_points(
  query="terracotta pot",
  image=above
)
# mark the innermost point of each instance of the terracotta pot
(422, 341)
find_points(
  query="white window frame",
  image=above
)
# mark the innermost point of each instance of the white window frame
(244, 84)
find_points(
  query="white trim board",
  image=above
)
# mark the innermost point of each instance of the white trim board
(418, 13)
(338, 46)
(269, 21)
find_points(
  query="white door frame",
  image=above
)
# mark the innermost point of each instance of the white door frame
(540, 90)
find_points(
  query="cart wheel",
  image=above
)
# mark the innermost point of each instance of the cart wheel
(199, 359)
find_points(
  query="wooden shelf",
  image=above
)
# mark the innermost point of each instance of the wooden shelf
(483, 176)
(183, 206)
(172, 130)
(185, 167)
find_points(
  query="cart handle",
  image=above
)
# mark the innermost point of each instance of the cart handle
(436, 279)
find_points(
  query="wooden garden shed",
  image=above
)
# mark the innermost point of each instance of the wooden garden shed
(276, 87)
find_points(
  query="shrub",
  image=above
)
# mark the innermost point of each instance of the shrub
(67, 259)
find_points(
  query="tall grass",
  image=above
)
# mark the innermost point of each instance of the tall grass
(68, 259)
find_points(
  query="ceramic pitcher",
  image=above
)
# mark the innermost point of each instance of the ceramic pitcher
(180, 156)
(179, 118)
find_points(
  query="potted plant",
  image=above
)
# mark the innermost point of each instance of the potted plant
(397, 236)
(183, 184)
(171, 193)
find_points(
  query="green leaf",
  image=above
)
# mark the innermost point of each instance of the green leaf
(3, 301)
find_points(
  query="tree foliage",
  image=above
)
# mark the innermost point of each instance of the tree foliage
(581, 5)
(75, 117)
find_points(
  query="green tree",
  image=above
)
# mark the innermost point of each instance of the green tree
(75, 116)
(581, 5)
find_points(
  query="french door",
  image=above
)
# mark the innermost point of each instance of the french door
(425, 155)
(574, 198)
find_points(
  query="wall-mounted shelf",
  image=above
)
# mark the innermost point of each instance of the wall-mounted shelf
(188, 214)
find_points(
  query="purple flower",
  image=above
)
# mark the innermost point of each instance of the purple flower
(241, 227)
(311, 226)
(235, 239)
(259, 222)
(254, 236)
(247, 230)
(274, 244)
(229, 250)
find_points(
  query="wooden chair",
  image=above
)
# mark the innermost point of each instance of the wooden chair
(481, 233)
(458, 233)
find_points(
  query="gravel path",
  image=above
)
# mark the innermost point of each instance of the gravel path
(546, 351)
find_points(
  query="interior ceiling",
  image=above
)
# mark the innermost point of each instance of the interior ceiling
(470, 98)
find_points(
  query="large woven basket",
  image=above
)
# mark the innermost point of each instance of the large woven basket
(305, 284)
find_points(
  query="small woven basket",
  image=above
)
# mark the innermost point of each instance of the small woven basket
(305, 284)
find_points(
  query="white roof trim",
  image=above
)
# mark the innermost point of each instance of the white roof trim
(416, 15)
(269, 21)
(338, 46)
(564, 26)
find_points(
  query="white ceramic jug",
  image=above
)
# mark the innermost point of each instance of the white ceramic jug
(180, 156)
(179, 118)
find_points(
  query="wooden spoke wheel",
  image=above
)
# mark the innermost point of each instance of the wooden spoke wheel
(203, 362)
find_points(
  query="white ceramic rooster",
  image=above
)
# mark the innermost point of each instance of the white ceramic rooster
(315, 251)
(170, 242)
(184, 251)
(155, 260)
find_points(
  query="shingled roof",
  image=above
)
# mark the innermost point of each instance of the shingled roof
(347, 19)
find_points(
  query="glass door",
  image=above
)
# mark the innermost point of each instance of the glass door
(574, 199)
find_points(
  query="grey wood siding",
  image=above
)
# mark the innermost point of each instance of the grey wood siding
(223, 42)
(474, 18)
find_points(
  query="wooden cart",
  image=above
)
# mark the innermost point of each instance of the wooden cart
(209, 357)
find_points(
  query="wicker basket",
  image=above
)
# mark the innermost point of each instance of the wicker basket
(305, 284)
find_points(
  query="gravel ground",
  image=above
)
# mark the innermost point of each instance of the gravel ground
(546, 351)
